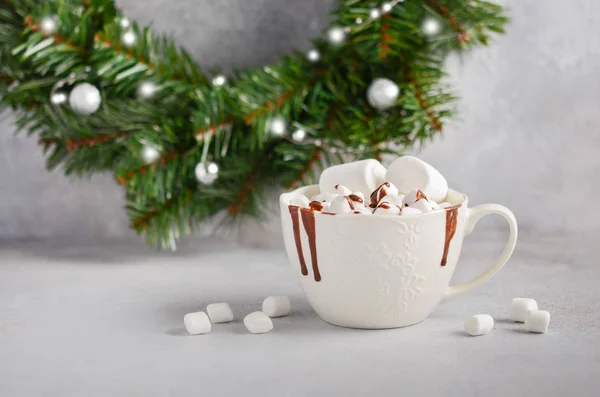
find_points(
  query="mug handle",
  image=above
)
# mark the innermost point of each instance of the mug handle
(473, 216)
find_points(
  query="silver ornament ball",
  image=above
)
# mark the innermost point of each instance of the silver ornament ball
(374, 14)
(313, 55)
(85, 99)
(146, 90)
(431, 26)
(59, 98)
(336, 35)
(207, 173)
(219, 80)
(299, 135)
(277, 126)
(150, 154)
(383, 93)
(386, 7)
(48, 25)
(129, 38)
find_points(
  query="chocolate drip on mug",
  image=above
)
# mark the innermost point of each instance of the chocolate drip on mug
(451, 221)
(308, 219)
(315, 206)
(296, 223)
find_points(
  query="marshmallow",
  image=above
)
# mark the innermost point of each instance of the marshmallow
(537, 321)
(358, 199)
(324, 197)
(300, 200)
(519, 308)
(343, 190)
(479, 324)
(386, 188)
(413, 196)
(393, 199)
(363, 176)
(422, 205)
(385, 208)
(197, 323)
(341, 205)
(219, 312)
(258, 323)
(408, 211)
(362, 211)
(409, 172)
(445, 204)
(434, 206)
(276, 306)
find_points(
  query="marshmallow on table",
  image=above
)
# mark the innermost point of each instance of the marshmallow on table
(393, 199)
(258, 323)
(409, 172)
(479, 324)
(537, 321)
(197, 323)
(363, 176)
(385, 208)
(300, 200)
(276, 306)
(219, 312)
(343, 190)
(519, 308)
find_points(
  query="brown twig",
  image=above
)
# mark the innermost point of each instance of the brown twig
(463, 35)
(384, 43)
(127, 176)
(242, 199)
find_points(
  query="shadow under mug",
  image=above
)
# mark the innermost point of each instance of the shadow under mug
(378, 271)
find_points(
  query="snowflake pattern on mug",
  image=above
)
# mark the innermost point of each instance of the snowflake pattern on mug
(400, 278)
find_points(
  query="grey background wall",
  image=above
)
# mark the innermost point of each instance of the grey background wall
(528, 136)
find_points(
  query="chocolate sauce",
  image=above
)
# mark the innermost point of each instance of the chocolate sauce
(327, 213)
(379, 193)
(315, 206)
(420, 195)
(296, 223)
(350, 202)
(356, 198)
(386, 206)
(451, 220)
(308, 219)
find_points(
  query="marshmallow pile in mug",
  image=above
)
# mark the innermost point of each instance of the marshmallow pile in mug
(408, 187)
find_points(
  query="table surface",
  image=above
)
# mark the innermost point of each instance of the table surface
(107, 320)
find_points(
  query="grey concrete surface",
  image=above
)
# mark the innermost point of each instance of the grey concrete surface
(527, 138)
(107, 320)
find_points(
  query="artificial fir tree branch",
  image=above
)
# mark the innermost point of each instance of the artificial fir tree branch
(191, 121)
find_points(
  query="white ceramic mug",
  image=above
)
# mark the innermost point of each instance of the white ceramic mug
(377, 271)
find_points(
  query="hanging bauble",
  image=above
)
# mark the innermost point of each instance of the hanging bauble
(383, 94)
(85, 99)
(207, 173)
(277, 126)
(48, 25)
(313, 56)
(336, 35)
(146, 90)
(219, 81)
(129, 38)
(431, 26)
(150, 154)
(59, 98)
(299, 135)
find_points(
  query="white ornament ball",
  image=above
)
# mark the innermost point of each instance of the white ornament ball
(129, 38)
(207, 173)
(313, 55)
(48, 25)
(219, 81)
(150, 154)
(85, 99)
(383, 93)
(124, 22)
(336, 36)
(299, 135)
(374, 14)
(59, 98)
(146, 90)
(431, 26)
(278, 126)
(386, 7)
